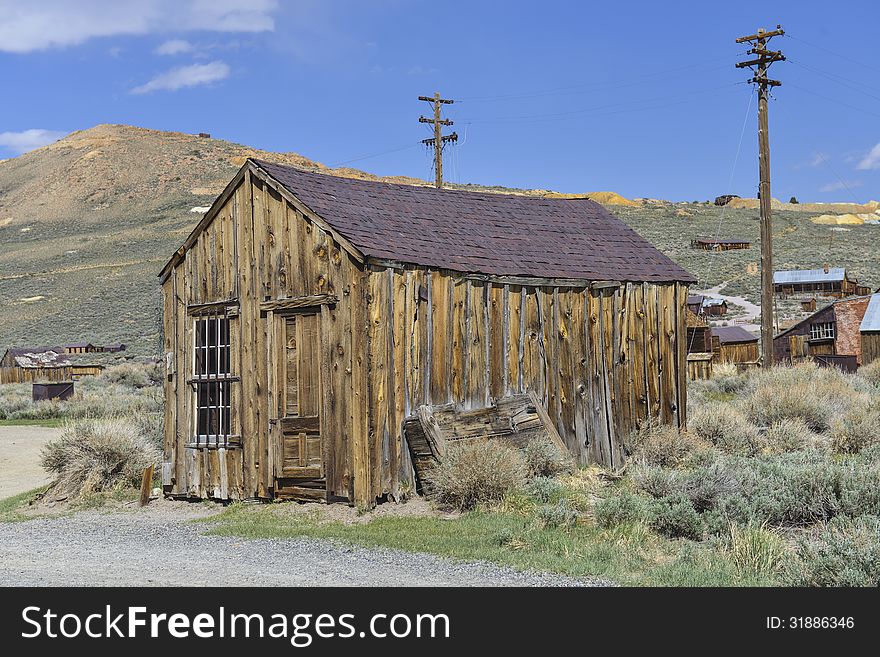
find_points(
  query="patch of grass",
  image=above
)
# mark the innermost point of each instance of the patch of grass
(10, 508)
(630, 555)
(48, 422)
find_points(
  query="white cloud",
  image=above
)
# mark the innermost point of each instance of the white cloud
(185, 76)
(28, 140)
(815, 160)
(32, 26)
(174, 47)
(871, 160)
(840, 184)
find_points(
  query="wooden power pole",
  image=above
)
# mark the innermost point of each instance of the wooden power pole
(439, 140)
(759, 66)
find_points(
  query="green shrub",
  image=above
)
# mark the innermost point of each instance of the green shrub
(543, 459)
(544, 489)
(726, 427)
(756, 550)
(660, 444)
(132, 375)
(859, 429)
(674, 516)
(477, 472)
(871, 373)
(803, 392)
(557, 516)
(789, 435)
(846, 553)
(98, 455)
(793, 490)
(620, 509)
(859, 488)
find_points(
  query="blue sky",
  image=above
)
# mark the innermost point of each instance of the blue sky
(637, 97)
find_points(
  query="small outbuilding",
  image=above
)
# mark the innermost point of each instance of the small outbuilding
(715, 307)
(43, 364)
(734, 344)
(719, 244)
(307, 317)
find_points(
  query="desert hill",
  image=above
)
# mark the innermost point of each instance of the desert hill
(87, 222)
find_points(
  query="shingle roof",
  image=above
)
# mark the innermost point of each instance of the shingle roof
(733, 334)
(871, 320)
(495, 234)
(809, 276)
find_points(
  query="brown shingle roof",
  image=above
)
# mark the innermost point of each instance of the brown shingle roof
(733, 334)
(495, 234)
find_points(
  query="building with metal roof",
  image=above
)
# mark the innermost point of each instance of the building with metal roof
(829, 281)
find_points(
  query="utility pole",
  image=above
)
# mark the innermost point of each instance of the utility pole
(439, 140)
(759, 67)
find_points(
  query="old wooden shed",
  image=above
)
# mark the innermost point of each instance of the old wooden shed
(42, 364)
(307, 316)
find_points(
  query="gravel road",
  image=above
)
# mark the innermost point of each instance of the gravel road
(20, 469)
(143, 548)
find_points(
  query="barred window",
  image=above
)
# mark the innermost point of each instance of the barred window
(211, 380)
(822, 331)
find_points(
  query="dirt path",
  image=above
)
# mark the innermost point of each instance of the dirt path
(143, 547)
(750, 321)
(20, 469)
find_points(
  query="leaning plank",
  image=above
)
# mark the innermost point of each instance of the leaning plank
(515, 419)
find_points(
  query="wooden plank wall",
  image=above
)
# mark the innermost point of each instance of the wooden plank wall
(259, 247)
(601, 361)
(870, 347)
(16, 374)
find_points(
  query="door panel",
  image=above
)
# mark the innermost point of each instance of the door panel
(298, 430)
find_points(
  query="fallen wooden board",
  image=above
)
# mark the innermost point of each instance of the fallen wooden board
(517, 420)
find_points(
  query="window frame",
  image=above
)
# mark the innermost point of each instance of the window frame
(211, 381)
(823, 331)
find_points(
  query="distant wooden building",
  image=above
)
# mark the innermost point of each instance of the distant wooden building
(834, 330)
(828, 282)
(714, 244)
(695, 303)
(42, 364)
(808, 305)
(80, 348)
(734, 344)
(715, 307)
(869, 330)
(308, 316)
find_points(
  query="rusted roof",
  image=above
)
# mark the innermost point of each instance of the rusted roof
(494, 234)
(36, 357)
(733, 334)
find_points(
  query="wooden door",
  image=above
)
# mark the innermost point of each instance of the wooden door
(299, 445)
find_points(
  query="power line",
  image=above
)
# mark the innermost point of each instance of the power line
(586, 110)
(372, 155)
(834, 100)
(592, 85)
(839, 79)
(832, 52)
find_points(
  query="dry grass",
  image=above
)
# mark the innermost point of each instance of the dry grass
(98, 455)
(476, 473)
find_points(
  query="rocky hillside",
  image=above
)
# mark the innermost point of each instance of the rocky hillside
(87, 222)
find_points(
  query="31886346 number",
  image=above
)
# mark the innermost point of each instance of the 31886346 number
(821, 622)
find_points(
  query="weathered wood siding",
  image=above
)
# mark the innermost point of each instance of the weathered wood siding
(870, 347)
(260, 247)
(746, 352)
(15, 374)
(600, 360)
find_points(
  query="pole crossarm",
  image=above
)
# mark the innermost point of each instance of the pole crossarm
(439, 139)
(765, 58)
